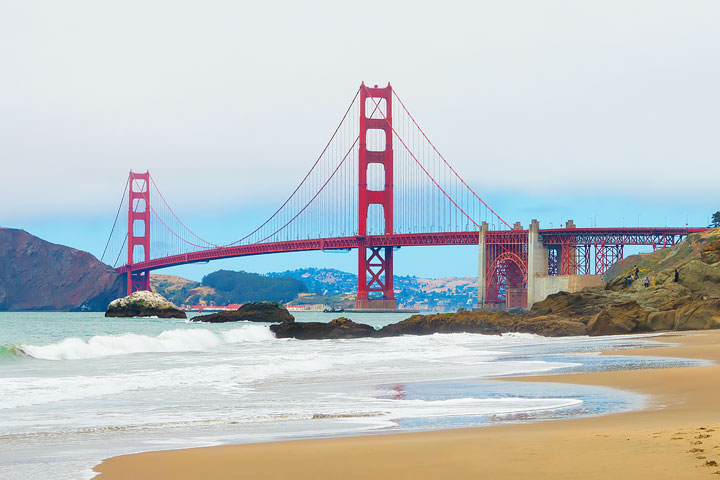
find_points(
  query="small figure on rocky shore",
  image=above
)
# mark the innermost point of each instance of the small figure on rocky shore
(636, 271)
(677, 276)
(646, 282)
(628, 281)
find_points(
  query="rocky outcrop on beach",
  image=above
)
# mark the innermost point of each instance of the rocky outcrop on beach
(486, 323)
(338, 328)
(143, 304)
(267, 312)
(690, 303)
(39, 275)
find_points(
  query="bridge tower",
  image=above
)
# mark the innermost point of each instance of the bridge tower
(138, 229)
(375, 262)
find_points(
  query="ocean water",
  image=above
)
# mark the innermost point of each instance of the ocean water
(76, 388)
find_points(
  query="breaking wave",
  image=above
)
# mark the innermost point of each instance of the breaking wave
(181, 340)
(11, 352)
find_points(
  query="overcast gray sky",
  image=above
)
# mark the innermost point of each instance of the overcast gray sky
(546, 98)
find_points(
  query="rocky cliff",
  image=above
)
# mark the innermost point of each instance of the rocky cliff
(39, 275)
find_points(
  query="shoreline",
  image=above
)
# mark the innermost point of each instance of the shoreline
(677, 435)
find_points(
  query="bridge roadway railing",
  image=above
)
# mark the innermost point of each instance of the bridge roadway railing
(655, 236)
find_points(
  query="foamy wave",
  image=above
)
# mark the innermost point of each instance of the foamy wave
(388, 412)
(476, 406)
(182, 340)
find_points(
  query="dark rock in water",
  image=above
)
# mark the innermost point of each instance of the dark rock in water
(487, 323)
(143, 304)
(267, 312)
(338, 328)
(39, 275)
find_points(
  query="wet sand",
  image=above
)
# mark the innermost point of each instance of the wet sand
(676, 437)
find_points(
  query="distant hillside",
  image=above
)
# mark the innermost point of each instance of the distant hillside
(241, 287)
(39, 275)
(224, 287)
(436, 294)
(322, 286)
(334, 286)
(323, 281)
(178, 290)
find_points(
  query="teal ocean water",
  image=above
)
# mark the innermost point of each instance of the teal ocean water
(76, 388)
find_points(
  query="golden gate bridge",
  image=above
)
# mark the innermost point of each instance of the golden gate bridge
(378, 184)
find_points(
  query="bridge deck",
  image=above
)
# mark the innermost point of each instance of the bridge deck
(625, 236)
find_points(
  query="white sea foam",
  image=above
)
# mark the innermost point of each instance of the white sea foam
(237, 383)
(474, 406)
(181, 340)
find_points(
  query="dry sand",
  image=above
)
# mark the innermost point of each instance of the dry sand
(676, 437)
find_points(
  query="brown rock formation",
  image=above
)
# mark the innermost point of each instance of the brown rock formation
(39, 275)
(711, 252)
(698, 315)
(622, 317)
(143, 304)
(664, 320)
(487, 323)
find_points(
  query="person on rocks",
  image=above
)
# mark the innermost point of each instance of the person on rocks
(646, 282)
(677, 276)
(628, 281)
(636, 271)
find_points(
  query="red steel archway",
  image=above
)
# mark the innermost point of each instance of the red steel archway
(507, 281)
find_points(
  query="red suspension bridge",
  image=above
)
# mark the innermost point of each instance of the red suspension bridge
(379, 184)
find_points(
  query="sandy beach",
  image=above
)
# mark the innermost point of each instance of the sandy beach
(676, 437)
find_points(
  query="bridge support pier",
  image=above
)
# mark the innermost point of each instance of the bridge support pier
(482, 265)
(377, 263)
(138, 281)
(537, 260)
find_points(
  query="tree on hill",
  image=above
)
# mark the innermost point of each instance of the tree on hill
(242, 287)
(715, 222)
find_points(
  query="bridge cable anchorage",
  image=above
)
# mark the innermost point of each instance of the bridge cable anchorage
(421, 165)
(117, 215)
(317, 161)
(446, 162)
(178, 219)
